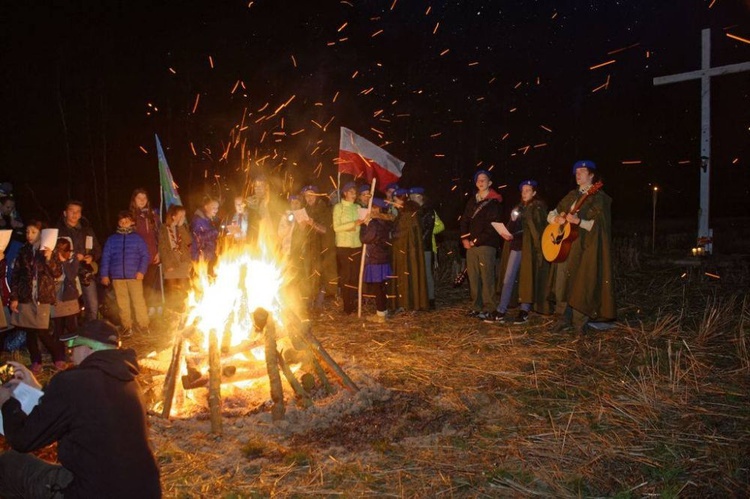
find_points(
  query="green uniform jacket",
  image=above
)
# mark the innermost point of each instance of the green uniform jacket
(590, 282)
(410, 287)
(534, 273)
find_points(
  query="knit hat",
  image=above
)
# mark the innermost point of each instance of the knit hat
(348, 185)
(416, 190)
(392, 185)
(584, 163)
(311, 188)
(482, 172)
(98, 334)
(362, 188)
(532, 183)
(400, 192)
(380, 203)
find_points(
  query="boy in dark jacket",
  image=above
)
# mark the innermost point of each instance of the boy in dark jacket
(125, 260)
(86, 249)
(481, 240)
(95, 414)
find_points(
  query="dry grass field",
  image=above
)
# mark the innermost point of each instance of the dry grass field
(449, 406)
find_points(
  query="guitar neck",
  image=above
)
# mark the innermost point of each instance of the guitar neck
(593, 189)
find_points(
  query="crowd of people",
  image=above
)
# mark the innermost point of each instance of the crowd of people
(355, 243)
(346, 246)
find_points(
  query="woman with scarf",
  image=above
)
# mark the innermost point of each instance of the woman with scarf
(68, 289)
(32, 294)
(174, 252)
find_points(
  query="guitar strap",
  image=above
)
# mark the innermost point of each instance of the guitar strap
(481, 205)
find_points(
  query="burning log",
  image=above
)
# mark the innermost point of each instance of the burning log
(214, 382)
(296, 386)
(263, 322)
(302, 335)
(321, 375)
(170, 381)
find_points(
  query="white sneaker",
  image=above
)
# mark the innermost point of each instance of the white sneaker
(380, 319)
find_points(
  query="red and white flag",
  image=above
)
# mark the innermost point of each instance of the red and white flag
(363, 159)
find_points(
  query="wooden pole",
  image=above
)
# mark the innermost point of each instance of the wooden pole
(318, 349)
(170, 381)
(362, 258)
(214, 382)
(296, 386)
(263, 321)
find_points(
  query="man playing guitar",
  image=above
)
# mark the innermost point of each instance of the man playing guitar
(583, 285)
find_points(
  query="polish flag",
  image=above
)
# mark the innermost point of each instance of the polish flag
(363, 159)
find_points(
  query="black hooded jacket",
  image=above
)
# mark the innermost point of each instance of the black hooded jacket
(95, 413)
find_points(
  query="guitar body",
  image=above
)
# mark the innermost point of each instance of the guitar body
(557, 240)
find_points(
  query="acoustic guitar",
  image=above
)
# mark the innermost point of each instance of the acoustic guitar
(558, 238)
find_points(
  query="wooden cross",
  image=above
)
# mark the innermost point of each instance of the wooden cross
(705, 234)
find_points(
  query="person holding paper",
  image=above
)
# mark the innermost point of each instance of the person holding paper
(522, 259)
(95, 413)
(87, 251)
(376, 234)
(66, 309)
(32, 294)
(481, 241)
(346, 225)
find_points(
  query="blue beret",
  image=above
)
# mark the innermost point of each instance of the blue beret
(416, 190)
(363, 188)
(309, 188)
(380, 203)
(584, 163)
(482, 172)
(532, 183)
(348, 185)
(401, 192)
(392, 185)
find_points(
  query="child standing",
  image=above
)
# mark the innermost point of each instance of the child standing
(376, 234)
(125, 260)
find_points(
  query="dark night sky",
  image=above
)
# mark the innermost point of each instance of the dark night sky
(78, 78)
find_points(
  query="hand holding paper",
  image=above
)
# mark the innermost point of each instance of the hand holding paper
(502, 230)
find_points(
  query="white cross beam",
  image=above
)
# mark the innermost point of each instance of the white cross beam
(705, 234)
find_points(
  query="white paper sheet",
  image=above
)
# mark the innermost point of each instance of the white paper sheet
(49, 238)
(301, 215)
(501, 229)
(362, 213)
(5, 238)
(29, 398)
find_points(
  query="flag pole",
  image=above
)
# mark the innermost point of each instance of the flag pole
(364, 251)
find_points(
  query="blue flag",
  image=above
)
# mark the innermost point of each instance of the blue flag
(169, 195)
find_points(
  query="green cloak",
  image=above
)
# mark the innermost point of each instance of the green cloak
(410, 284)
(589, 286)
(534, 273)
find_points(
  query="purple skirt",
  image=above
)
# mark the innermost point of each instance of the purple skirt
(378, 272)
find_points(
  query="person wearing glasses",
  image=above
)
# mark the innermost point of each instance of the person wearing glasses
(95, 413)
